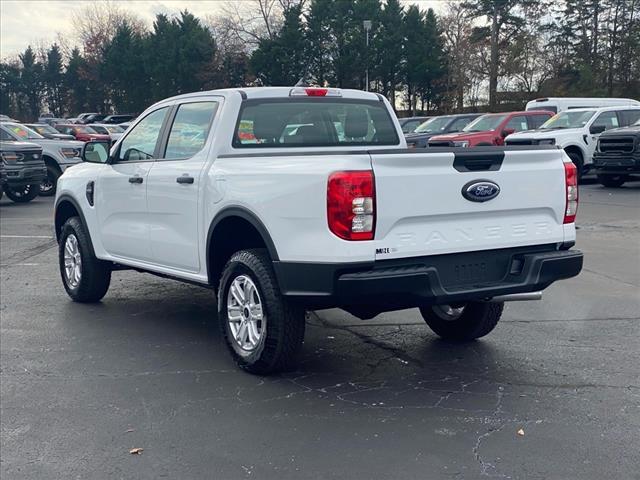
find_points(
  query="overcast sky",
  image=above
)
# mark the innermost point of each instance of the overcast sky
(24, 22)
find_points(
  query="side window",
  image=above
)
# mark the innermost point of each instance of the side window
(628, 117)
(607, 120)
(140, 142)
(4, 135)
(536, 121)
(517, 123)
(190, 129)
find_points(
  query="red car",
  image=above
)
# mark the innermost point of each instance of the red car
(492, 128)
(81, 132)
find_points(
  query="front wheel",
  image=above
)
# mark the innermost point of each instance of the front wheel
(463, 322)
(49, 184)
(612, 181)
(262, 330)
(23, 193)
(85, 278)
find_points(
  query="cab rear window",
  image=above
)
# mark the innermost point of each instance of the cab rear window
(313, 123)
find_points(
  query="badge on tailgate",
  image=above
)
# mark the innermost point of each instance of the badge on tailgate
(480, 190)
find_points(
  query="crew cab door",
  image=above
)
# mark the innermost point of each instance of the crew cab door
(603, 122)
(121, 190)
(175, 184)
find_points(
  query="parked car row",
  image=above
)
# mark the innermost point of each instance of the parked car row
(573, 124)
(87, 118)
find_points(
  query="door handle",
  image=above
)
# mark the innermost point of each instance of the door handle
(185, 179)
(135, 179)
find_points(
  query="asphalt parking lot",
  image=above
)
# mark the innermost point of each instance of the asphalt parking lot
(385, 399)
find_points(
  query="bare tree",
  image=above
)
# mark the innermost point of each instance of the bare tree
(253, 20)
(457, 27)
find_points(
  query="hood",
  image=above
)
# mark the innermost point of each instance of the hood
(6, 146)
(546, 133)
(633, 129)
(463, 135)
(59, 143)
(418, 136)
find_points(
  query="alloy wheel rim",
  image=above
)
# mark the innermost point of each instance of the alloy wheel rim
(72, 261)
(245, 315)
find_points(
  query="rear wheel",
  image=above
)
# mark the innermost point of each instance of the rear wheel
(612, 181)
(23, 193)
(48, 185)
(85, 278)
(464, 321)
(262, 329)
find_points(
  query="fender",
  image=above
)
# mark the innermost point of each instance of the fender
(68, 198)
(247, 215)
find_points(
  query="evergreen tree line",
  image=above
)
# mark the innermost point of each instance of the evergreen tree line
(475, 54)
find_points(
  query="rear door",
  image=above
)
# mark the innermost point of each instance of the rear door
(174, 183)
(421, 209)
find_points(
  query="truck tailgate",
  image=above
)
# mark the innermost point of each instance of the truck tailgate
(420, 208)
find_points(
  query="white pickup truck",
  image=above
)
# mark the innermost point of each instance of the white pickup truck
(287, 199)
(576, 131)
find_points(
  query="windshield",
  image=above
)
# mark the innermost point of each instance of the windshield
(313, 123)
(484, 123)
(23, 132)
(44, 129)
(433, 125)
(569, 119)
(84, 129)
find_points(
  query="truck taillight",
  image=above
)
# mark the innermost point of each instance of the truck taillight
(571, 182)
(351, 204)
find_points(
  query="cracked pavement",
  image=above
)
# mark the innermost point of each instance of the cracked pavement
(381, 399)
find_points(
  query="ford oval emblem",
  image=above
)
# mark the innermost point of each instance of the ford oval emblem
(480, 190)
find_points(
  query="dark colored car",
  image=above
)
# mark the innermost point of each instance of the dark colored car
(23, 169)
(47, 131)
(116, 119)
(81, 132)
(617, 156)
(409, 124)
(492, 128)
(438, 126)
(85, 118)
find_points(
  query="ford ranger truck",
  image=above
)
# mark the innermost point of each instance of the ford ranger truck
(283, 200)
(22, 169)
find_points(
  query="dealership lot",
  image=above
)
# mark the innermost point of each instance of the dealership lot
(81, 385)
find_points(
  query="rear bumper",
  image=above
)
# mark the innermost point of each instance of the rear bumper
(410, 282)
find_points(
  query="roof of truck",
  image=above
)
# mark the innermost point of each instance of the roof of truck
(278, 92)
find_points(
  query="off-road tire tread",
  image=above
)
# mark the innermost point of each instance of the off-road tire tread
(477, 320)
(96, 274)
(285, 321)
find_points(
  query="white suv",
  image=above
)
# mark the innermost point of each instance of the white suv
(290, 199)
(576, 131)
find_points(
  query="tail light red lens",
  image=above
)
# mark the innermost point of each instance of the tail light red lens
(571, 182)
(351, 205)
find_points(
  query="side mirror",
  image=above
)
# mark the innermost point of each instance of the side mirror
(508, 131)
(96, 152)
(595, 129)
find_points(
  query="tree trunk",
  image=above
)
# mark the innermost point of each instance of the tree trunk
(493, 66)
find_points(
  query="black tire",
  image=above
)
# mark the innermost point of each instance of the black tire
(49, 184)
(22, 194)
(476, 320)
(578, 162)
(95, 275)
(612, 181)
(282, 332)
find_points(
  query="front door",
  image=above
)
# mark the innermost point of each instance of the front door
(121, 190)
(173, 187)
